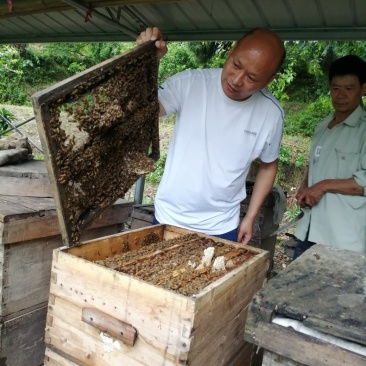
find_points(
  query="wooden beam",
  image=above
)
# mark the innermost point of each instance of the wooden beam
(26, 7)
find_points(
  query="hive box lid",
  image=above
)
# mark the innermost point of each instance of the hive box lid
(100, 132)
(321, 289)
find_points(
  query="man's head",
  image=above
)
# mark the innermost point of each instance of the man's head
(252, 64)
(347, 78)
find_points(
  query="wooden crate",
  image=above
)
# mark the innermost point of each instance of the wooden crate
(29, 232)
(28, 179)
(322, 290)
(172, 329)
(22, 337)
(142, 216)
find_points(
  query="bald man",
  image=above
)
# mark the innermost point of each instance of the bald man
(225, 119)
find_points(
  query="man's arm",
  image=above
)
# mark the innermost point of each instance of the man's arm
(301, 192)
(263, 185)
(343, 186)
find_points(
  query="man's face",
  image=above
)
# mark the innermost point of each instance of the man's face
(346, 93)
(247, 70)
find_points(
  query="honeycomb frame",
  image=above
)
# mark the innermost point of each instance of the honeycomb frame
(100, 132)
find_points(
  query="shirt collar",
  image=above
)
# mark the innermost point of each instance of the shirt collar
(353, 119)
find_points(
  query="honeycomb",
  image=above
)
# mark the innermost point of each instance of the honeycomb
(176, 264)
(101, 135)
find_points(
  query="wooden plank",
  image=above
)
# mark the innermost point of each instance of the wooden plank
(55, 357)
(25, 179)
(244, 357)
(20, 291)
(11, 209)
(313, 290)
(32, 169)
(25, 187)
(115, 244)
(300, 347)
(22, 339)
(138, 224)
(33, 224)
(113, 327)
(221, 312)
(29, 204)
(272, 359)
(85, 343)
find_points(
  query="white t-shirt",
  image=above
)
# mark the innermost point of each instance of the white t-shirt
(214, 142)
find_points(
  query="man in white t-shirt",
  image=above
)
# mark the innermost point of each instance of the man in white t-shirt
(225, 118)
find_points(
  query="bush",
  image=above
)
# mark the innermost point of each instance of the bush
(292, 161)
(9, 116)
(155, 176)
(304, 120)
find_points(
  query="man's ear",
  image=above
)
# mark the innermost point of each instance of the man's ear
(274, 76)
(363, 89)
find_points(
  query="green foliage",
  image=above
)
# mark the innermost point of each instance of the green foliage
(303, 121)
(11, 67)
(311, 61)
(28, 68)
(210, 54)
(284, 79)
(292, 212)
(285, 154)
(194, 55)
(179, 58)
(8, 115)
(155, 176)
(292, 161)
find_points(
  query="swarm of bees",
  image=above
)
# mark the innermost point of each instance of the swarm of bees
(105, 134)
(174, 264)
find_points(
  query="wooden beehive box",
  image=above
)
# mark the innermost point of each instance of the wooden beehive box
(322, 293)
(99, 316)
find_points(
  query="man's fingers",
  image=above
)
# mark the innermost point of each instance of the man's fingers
(148, 34)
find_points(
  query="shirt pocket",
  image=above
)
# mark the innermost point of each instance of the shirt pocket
(347, 163)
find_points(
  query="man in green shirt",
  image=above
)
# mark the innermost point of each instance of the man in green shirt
(333, 190)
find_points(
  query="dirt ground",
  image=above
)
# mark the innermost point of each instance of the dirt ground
(29, 129)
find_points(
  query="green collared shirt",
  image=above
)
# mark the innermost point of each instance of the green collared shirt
(338, 220)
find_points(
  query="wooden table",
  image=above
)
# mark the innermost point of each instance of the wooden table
(325, 290)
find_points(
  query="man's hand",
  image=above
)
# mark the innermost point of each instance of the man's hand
(314, 194)
(263, 185)
(245, 231)
(153, 34)
(301, 195)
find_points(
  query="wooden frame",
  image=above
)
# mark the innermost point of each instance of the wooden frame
(100, 147)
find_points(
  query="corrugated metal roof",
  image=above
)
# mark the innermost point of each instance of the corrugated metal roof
(180, 20)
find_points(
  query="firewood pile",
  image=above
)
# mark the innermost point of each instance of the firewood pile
(185, 265)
